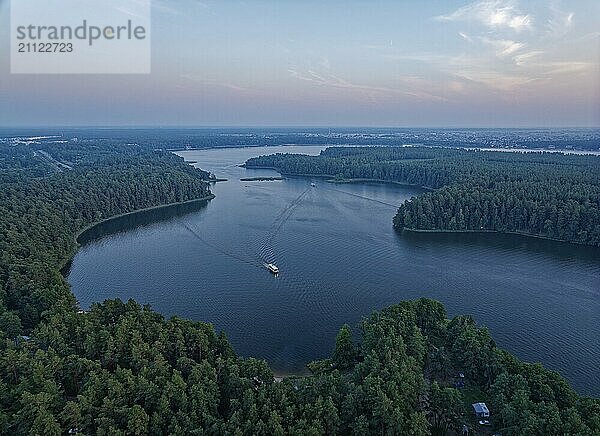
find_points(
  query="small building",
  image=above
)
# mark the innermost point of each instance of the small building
(20, 339)
(481, 410)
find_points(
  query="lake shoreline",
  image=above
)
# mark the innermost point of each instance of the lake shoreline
(133, 212)
(382, 181)
(65, 262)
(497, 232)
(261, 179)
(329, 178)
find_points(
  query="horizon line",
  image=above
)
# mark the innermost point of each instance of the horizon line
(282, 126)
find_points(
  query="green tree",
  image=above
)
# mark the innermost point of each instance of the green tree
(445, 410)
(137, 421)
(344, 354)
(10, 324)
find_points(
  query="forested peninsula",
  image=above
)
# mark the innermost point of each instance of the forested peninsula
(122, 369)
(549, 195)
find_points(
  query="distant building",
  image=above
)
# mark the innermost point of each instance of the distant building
(21, 338)
(481, 410)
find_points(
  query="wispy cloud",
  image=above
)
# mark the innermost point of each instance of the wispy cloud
(524, 59)
(503, 47)
(506, 58)
(466, 37)
(176, 7)
(496, 80)
(130, 13)
(560, 21)
(163, 7)
(134, 8)
(587, 37)
(213, 82)
(493, 14)
(328, 80)
(565, 67)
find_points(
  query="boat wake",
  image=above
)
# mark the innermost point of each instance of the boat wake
(220, 249)
(363, 197)
(265, 250)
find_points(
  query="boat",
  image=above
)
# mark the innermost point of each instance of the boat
(313, 185)
(271, 267)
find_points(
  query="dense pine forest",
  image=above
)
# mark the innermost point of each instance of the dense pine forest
(121, 368)
(550, 195)
(43, 207)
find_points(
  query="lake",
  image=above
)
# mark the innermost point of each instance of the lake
(340, 259)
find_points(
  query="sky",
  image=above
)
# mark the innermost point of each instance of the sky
(398, 63)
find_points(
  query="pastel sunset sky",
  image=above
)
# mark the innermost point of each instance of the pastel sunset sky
(336, 63)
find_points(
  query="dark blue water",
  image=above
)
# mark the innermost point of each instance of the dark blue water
(340, 259)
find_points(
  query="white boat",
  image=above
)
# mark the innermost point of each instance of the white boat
(313, 185)
(271, 267)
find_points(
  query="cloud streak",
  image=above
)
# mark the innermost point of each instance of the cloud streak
(492, 14)
(331, 81)
(213, 82)
(501, 55)
(503, 47)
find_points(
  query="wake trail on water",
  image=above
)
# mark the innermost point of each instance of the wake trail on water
(362, 196)
(265, 250)
(219, 249)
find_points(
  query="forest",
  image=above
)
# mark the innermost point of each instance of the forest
(122, 369)
(42, 209)
(550, 195)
